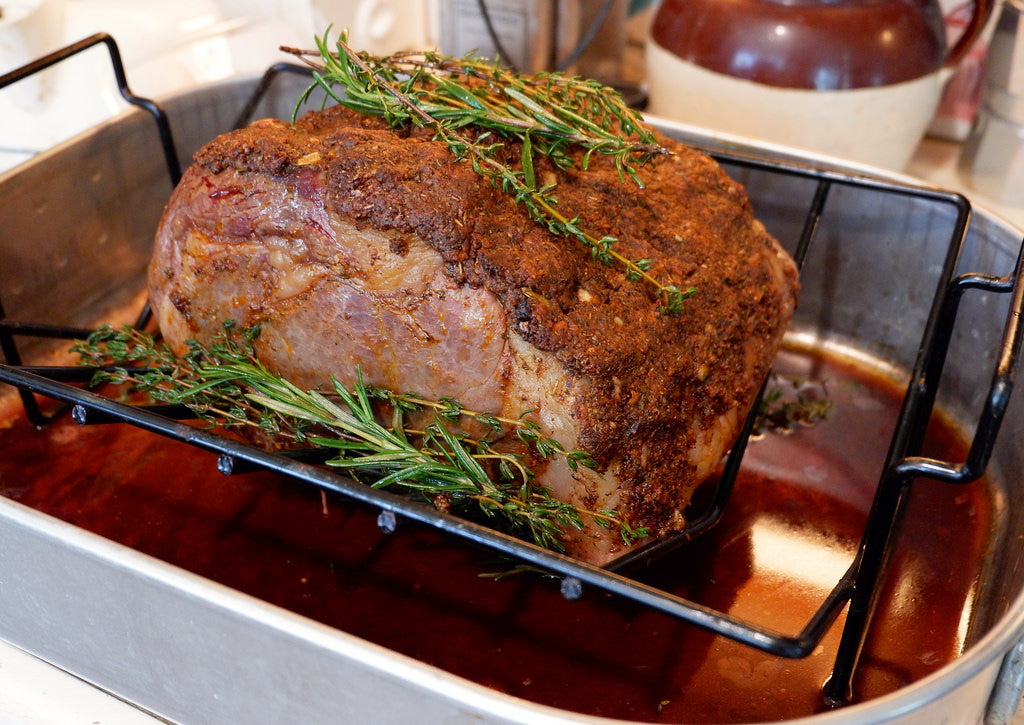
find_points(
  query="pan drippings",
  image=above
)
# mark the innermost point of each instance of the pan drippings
(790, 530)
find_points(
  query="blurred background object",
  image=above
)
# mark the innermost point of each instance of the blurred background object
(992, 161)
(961, 97)
(171, 46)
(166, 47)
(854, 79)
(876, 113)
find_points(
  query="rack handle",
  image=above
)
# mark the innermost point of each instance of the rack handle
(1003, 379)
(163, 126)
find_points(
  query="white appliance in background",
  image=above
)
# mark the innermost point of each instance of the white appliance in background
(166, 46)
(530, 32)
(382, 26)
(171, 46)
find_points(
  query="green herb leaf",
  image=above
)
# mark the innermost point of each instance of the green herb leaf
(225, 385)
(545, 113)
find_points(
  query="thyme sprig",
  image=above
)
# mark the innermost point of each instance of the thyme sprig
(225, 385)
(526, 429)
(547, 113)
(789, 402)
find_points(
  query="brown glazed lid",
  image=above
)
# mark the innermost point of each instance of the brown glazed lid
(816, 44)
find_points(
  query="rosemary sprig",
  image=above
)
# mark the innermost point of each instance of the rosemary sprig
(546, 113)
(225, 385)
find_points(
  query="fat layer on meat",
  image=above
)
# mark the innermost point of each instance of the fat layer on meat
(350, 243)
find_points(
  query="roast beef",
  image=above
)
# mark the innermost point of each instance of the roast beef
(351, 243)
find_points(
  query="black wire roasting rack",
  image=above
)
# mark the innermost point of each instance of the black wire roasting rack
(857, 589)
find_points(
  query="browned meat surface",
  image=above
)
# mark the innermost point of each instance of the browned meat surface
(352, 243)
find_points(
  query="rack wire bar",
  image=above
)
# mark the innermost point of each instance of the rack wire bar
(859, 585)
(163, 126)
(903, 465)
(761, 638)
(9, 329)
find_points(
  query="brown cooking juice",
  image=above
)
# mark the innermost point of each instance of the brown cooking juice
(789, 533)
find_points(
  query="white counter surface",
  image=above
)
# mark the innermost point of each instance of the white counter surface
(936, 162)
(33, 692)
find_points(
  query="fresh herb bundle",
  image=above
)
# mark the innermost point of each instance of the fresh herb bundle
(225, 385)
(546, 113)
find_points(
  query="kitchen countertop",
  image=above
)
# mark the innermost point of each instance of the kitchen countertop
(37, 693)
(935, 162)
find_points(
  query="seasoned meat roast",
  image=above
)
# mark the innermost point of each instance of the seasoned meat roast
(351, 243)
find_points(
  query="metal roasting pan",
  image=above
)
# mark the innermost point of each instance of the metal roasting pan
(75, 225)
